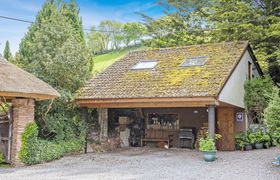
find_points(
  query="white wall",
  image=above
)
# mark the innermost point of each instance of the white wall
(233, 92)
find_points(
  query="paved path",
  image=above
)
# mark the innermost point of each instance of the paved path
(144, 163)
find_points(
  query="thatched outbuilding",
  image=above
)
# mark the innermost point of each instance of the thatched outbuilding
(21, 89)
(15, 82)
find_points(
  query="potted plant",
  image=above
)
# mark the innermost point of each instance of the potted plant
(240, 141)
(248, 142)
(259, 138)
(208, 147)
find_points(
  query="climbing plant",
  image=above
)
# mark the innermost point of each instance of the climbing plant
(257, 97)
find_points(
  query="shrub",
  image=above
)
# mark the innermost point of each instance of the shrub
(36, 150)
(256, 92)
(256, 99)
(272, 118)
(259, 137)
(2, 158)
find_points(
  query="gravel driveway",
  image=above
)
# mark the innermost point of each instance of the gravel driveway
(146, 163)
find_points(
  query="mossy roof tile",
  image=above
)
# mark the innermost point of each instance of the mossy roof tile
(168, 78)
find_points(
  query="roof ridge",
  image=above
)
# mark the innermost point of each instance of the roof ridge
(194, 45)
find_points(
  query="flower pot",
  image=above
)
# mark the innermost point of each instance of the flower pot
(209, 156)
(259, 145)
(237, 147)
(248, 147)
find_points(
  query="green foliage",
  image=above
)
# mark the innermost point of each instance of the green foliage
(30, 134)
(112, 35)
(271, 116)
(200, 21)
(257, 91)
(36, 150)
(207, 143)
(241, 139)
(53, 46)
(133, 32)
(253, 137)
(7, 52)
(2, 158)
(103, 61)
(54, 50)
(258, 137)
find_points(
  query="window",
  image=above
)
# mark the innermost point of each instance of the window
(195, 61)
(249, 70)
(145, 65)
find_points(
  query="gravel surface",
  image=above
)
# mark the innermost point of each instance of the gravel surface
(147, 163)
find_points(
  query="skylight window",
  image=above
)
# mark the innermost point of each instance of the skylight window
(195, 61)
(145, 65)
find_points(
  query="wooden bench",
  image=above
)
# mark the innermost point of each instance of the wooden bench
(152, 135)
(155, 140)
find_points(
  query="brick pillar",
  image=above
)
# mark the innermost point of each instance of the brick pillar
(23, 113)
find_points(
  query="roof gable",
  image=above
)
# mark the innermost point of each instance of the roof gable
(168, 78)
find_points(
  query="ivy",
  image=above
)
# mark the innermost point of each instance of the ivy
(257, 93)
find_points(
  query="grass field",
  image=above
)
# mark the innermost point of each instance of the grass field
(103, 61)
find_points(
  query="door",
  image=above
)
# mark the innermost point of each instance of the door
(226, 128)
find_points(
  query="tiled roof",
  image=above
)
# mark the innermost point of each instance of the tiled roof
(168, 78)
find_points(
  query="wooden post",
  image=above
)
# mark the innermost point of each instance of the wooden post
(211, 120)
(85, 119)
(103, 120)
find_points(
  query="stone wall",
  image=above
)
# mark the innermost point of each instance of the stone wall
(23, 113)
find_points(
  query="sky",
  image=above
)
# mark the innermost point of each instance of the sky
(91, 11)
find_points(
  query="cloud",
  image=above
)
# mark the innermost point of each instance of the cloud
(123, 13)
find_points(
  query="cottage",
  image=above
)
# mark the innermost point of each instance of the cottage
(20, 89)
(175, 89)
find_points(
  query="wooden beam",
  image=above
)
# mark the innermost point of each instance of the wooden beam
(85, 119)
(144, 105)
(103, 120)
(149, 103)
(138, 100)
(12, 95)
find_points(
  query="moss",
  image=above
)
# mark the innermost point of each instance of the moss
(168, 78)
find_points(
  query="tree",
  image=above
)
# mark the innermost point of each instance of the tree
(199, 21)
(96, 41)
(54, 50)
(7, 52)
(271, 115)
(133, 32)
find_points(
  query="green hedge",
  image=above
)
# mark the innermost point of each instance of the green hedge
(36, 150)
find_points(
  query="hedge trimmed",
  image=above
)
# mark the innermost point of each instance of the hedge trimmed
(35, 150)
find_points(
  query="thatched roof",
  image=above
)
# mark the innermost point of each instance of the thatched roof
(15, 82)
(168, 78)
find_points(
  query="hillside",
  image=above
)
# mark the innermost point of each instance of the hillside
(103, 61)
